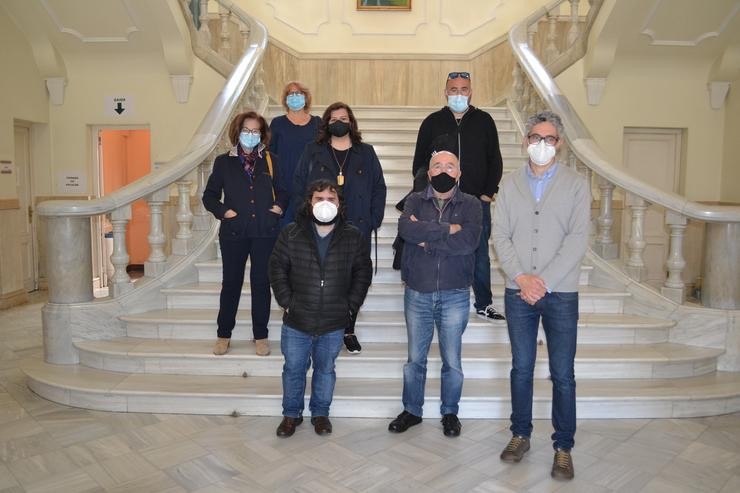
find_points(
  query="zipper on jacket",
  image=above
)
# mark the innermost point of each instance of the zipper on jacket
(439, 221)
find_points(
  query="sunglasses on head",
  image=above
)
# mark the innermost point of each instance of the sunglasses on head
(455, 75)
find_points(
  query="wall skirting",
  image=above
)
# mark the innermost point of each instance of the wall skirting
(14, 298)
(9, 204)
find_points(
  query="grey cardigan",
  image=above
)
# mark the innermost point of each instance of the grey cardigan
(548, 239)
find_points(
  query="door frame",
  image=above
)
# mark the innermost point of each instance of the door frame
(100, 277)
(30, 206)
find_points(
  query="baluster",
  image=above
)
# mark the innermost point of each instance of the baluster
(636, 244)
(184, 237)
(120, 282)
(156, 264)
(202, 220)
(225, 47)
(244, 32)
(551, 51)
(516, 88)
(531, 36)
(204, 32)
(605, 246)
(674, 287)
(575, 26)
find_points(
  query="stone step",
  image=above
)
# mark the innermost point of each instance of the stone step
(381, 297)
(393, 113)
(79, 386)
(211, 270)
(386, 360)
(390, 327)
(373, 132)
(401, 163)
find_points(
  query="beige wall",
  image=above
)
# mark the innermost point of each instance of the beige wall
(731, 164)
(144, 80)
(665, 93)
(22, 94)
(450, 27)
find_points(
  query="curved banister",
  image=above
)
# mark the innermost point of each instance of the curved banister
(587, 150)
(204, 140)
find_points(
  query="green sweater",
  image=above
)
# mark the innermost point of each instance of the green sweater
(546, 239)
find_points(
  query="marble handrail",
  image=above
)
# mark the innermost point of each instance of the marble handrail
(582, 143)
(203, 142)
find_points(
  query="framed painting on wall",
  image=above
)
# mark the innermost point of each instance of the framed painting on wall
(383, 4)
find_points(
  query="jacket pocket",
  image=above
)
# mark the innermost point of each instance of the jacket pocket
(231, 227)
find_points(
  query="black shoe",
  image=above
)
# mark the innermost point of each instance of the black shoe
(403, 422)
(287, 426)
(451, 425)
(352, 344)
(321, 425)
(490, 313)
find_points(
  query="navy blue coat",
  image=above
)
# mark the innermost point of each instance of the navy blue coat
(251, 199)
(364, 186)
(445, 261)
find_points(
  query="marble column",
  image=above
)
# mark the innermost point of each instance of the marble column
(69, 271)
(721, 283)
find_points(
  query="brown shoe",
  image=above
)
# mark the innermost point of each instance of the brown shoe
(262, 347)
(516, 448)
(321, 425)
(222, 346)
(562, 465)
(287, 426)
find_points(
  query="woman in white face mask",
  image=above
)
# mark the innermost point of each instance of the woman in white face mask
(254, 198)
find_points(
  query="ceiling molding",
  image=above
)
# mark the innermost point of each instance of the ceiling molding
(655, 41)
(132, 28)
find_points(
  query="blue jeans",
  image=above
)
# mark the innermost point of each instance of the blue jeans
(300, 349)
(482, 272)
(449, 311)
(559, 312)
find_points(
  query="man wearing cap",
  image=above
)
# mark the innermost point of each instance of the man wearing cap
(441, 227)
(477, 148)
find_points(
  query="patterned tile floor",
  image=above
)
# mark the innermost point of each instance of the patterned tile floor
(48, 447)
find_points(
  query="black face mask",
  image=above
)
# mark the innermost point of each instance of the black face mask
(338, 128)
(442, 182)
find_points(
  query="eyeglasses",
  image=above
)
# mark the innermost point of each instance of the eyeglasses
(550, 140)
(455, 75)
(295, 93)
(251, 132)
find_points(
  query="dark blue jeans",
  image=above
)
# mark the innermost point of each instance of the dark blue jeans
(449, 311)
(482, 272)
(300, 350)
(234, 254)
(559, 313)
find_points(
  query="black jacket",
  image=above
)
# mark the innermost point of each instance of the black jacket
(364, 187)
(480, 156)
(251, 199)
(317, 297)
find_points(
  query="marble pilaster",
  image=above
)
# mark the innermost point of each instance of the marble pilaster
(721, 284)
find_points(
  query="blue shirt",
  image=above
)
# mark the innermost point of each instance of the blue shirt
(537, 184)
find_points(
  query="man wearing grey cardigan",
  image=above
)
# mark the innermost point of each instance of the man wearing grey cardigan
(540, 233)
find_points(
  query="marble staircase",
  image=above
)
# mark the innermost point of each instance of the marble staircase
(627, 364)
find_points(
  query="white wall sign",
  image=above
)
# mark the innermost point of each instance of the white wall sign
(72, 182)
(6, 167)
(118, 106)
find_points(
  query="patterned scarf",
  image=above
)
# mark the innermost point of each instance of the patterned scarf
(248, 160)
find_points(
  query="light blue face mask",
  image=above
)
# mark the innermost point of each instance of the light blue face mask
(457, 103)
(248, 141)
(295, 101)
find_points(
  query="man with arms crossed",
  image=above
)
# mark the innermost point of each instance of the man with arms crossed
(440, 227)
(477, 148)
(540, 233)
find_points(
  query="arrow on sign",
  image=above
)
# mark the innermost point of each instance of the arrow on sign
(119, 109)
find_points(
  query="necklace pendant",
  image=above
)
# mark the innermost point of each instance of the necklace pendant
(340, 179)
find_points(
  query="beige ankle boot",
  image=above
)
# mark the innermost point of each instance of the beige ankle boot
(262, 347)
(222, 346)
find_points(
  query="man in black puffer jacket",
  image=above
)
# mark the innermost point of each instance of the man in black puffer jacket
(320, 272)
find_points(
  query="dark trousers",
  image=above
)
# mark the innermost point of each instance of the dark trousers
(234, 255)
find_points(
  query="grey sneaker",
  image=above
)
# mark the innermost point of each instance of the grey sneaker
(516, 448)
(562, 465)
